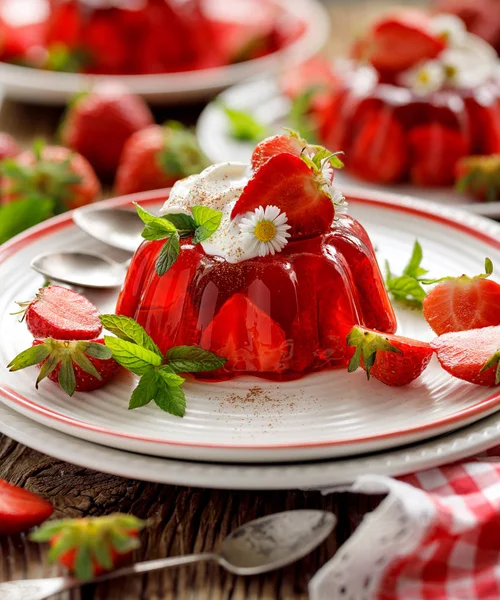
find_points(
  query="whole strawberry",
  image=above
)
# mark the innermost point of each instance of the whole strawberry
(77, 366)
(61, 313)
(97, 125)
(392, 359)
(461, 303)
(49, 172)
(473, 355)
(88, 547)
(479, 176)
(20, 509)
(158, 156)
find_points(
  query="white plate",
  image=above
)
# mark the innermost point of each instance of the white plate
(36, 85)
(323, 415)
(263, 99)
(455, 446)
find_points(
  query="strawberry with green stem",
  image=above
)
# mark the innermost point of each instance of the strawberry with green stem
(76, 365)
(479, 176)
(392, 359)
(90, 546)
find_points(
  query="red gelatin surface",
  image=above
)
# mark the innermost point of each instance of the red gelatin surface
(391, 135)
(276, 316)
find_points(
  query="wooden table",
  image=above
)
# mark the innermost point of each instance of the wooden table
(183, 520)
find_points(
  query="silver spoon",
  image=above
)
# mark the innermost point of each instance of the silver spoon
(81, 269)
(115, 227)
(259, 546)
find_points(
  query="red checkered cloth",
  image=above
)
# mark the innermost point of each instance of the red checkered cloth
(436, 536)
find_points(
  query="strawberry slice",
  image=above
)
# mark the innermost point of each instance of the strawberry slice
(473, 355)
(276, 144)
(247, 336)
(461, 303)
(402, 40)
(392, 359)
(20, 510)
(77, 366)
(296, 188)
(62, 314)
(91, 546)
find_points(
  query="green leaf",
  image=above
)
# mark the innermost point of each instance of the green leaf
(168, 376)
(30, 357)
(145, 390)
(48, 366)
(355, 361)
(86, 365)
(156, 228)
(168, 254)
(131, 356)
(171, 399)
(493, 361)
(207, 222)
(19, 215)
(84, 569)
(192, 359)
(49, 529)
(488, 268)
(184, 224)
(95, 350)
(62, 544)
(102, 555)
(181, 154)
(67, 379)
(412, 269)
(407, 288)
(243, 126)
(129, 330)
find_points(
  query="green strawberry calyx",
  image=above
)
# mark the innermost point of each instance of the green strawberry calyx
(51, 353)
(181, 155)
(93, 539)
(481, 176)
(488, 270)
(367, 344)
(493, 361)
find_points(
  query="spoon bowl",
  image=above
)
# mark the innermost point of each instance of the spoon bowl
(115, 227)
(81, 269)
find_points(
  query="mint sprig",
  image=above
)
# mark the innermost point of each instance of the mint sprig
(243, 126)
(407, 287)
(159, 380)
(204, 223)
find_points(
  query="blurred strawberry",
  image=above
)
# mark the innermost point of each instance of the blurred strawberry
(49, 172)
(158, 156)
(20, 509)
(22, 28)
(479, 176)
(8, 146)
(378, 151)
(97, 124)
(435, 149)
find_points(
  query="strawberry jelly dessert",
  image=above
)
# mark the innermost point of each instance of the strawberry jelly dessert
(279, 284)
(420, 93)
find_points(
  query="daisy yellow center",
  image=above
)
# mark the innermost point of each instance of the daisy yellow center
(265, 231)
(450, 71)
(424, 77)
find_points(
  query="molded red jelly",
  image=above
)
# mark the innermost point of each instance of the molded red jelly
(278, 316)
(389, 134)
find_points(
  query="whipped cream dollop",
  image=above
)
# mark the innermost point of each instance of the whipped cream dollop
(219, 187)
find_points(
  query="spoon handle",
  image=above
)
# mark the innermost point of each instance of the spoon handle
(41, 589)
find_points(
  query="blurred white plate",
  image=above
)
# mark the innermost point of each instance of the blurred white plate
(263, 98)
(47, 87)
(323, 415)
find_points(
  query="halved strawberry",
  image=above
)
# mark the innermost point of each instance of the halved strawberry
(246, 336)
(402, 40)
(277, 144)
(392, 359)
(460, 303)
(61, 313)
(91, 546)
(473, 355)
(77, 366)
(20, 509)
(297, 189)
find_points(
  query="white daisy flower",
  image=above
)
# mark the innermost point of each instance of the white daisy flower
(425, 78)
(470, 64)
(264, 231)
(450, 27)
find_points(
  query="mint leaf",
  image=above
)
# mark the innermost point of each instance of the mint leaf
(207, 222)
(156, 228)
(243, 126)
(19, 215)
(129, 330)
(413, 268)
(169, 376)
(407, 288)
(168, 254)
(145, 390)
(184, 224)
(300, 117)
(171, 399)
(191, 359)
(131, 356)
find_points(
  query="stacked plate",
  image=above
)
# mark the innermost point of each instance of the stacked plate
(322, 430)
